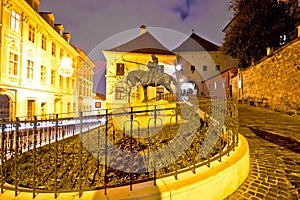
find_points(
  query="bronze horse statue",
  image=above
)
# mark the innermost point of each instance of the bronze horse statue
(143, 78)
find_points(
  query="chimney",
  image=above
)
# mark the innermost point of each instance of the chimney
(48, 17)
(67, 37)
(143, 29)
(59, 28)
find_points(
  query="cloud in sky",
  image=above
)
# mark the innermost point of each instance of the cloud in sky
(184, 10)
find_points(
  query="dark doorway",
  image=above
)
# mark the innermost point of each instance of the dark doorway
(4, 107)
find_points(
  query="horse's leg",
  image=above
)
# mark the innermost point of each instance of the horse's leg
(145, 95)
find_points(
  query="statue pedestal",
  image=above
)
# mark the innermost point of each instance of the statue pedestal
(143, 115)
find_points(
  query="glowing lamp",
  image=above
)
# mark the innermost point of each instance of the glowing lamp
(65, 69)
(178, 67)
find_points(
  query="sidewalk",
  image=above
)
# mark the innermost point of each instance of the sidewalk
(274, 142)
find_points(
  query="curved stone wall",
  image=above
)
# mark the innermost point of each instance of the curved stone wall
(211, 183)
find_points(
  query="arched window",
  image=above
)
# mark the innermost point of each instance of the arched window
(4, 107)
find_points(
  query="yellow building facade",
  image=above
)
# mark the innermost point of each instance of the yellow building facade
(31, 53)
(134, 55)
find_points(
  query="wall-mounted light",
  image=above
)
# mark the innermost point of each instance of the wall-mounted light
(65, 69)
(178, 67)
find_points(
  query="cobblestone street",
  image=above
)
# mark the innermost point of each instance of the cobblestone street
(274, 142)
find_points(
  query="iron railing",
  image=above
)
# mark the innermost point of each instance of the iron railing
(114, 147)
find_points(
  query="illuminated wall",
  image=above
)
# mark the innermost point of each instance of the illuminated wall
(207, 64)
(32, 47)
(115, 80)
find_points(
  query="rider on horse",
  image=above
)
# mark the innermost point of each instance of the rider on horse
(152, 74)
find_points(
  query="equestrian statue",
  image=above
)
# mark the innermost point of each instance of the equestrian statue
(153, 77)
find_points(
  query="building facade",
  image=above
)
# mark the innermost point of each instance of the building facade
(135, 55)
(200, 60)
(31, 54)
(219, 85)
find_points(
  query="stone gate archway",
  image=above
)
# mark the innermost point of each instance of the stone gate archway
(189, 88)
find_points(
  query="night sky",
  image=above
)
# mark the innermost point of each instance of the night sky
(97, 25)
(90, 22)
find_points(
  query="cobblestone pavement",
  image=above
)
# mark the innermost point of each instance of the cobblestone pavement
(274, 142)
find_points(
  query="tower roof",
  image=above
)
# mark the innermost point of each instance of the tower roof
(144, 43)
(196, 43)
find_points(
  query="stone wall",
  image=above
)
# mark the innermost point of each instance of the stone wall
(276, 78)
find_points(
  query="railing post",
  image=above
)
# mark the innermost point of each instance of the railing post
(105, 151)
(80, 155)
(73, 147)
(34, 153)
(40, 136)
(176, 170)
(154, 154)
(2, 154)
(194, 164)
(55, 156)
(208, 160)
(98, 151)
(16, 136)
(49, 142)
(131, 157)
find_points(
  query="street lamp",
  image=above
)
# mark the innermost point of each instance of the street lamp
(178, 69)
(65, 69)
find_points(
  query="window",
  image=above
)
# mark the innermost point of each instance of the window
(31, 33)
(43, 74)
(44, 42)
(204, 67)
(30, 108)
(53, 49)
(73, 84)
(119, 93)
(215, 85)
(217, 68)
(223, 83)
(68, 83)
(80, 87)
(68, 107)
(193, 68)
(61, 81)
(30, 68)
(61, 53)
(120, 69)
(15, 21)
(97, 104)
(13, 64)
(240, 81)
(53, 77)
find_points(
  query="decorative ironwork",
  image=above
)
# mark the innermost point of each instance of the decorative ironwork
(75, 154)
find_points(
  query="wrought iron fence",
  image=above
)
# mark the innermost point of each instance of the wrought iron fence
(114, 147)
